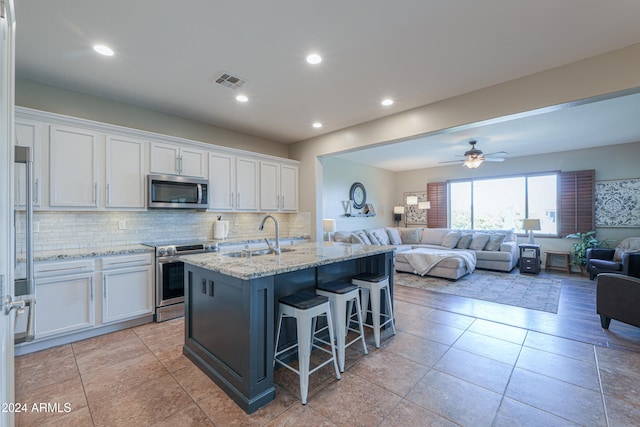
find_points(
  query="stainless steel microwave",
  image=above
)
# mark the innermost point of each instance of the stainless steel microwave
(177, 192)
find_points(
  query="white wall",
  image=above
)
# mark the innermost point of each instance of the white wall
(610, 162)
(379, 184)
(614, 71)
(48, 98)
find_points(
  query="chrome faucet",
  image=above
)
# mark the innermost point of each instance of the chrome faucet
(274, 249)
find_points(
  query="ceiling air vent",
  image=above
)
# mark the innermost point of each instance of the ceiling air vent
(229, 80)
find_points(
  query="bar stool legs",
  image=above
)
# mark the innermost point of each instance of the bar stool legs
(342, 297)
(371, 285)
(305, 307)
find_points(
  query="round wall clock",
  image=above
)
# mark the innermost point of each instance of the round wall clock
(358, 194)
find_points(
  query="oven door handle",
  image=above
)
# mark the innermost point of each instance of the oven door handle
(199, 194)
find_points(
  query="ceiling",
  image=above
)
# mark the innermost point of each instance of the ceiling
(417, 52)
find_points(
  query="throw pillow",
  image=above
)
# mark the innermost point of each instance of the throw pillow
(372, 237)
(410, 236)
(342, 236)
(360, 237)
(630, 244)
(494, 242)
(381, 235)
(465, 241)
(394, 236)
(451, 239)
(479, 241)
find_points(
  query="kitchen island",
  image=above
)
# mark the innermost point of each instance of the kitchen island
(231, 307)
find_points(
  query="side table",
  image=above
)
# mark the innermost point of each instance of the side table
(564, 258)
(529, 258)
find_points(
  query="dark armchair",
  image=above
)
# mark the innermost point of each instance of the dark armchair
(624, 259)
(618, 297)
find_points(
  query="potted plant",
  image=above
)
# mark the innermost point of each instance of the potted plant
(587, 240)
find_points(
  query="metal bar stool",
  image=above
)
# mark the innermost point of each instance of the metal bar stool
(371, 285)
(305, 307)
(342, 296)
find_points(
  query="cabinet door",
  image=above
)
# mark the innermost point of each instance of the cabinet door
(246, 184)
(28, 134)
(222, 181)
(192, 162)
(127, 293)
(74, 170)
(269, 186)
(289, 188)
(64, 304)
(164, 158)
(125, 173)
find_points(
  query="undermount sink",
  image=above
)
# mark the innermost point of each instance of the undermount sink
(257, 252)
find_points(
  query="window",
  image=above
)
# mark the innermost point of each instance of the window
(502, 203)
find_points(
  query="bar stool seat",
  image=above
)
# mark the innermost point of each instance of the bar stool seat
(371, 286)
(305, 307)
(342, 296)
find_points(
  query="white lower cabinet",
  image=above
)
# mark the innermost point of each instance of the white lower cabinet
(79, 295)
(65, 297)
(127, 287)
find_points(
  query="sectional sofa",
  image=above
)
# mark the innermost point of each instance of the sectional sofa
(442, 252)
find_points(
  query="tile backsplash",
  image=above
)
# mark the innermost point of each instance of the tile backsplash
(73, 230)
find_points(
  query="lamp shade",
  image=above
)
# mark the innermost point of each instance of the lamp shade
(398, 209)
(412, 200)
(329, 225)
(424, 205)
(531, 224)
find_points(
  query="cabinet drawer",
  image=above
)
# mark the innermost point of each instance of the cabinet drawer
(125, 261)
(58, 268)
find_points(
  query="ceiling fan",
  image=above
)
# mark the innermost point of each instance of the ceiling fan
(474, 157)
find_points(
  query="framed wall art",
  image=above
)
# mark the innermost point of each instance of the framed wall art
(415, 216)
(618, 203)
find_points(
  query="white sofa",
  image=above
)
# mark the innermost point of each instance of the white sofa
(493, 249)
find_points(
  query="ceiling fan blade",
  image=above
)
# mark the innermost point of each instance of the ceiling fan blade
(452, 161)
(494, 159)
(502, 153)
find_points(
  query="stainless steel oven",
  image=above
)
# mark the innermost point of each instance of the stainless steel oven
(170, 277)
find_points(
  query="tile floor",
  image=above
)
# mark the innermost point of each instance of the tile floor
(441, 369)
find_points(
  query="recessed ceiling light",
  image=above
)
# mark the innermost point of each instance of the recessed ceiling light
(386, 102)
(314, 59)
(317, 125)
(103, 50)
(241, 98)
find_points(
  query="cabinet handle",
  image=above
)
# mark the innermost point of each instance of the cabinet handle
(282, 201)
(91, 289)
(204, 286)
(238, 199)
(104, 286)
(277, 201)
(95, 193)
(108, 194)
(211, 285)
(37, 192)
(231, 199)
(180, 165)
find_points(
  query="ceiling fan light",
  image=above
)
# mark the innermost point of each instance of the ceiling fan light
(473, 163)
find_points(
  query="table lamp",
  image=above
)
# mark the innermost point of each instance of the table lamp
(329, 226)
(530, 224)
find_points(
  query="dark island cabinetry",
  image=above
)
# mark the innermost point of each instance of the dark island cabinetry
(229, 322)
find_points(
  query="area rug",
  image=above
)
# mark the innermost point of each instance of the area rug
(527, 291)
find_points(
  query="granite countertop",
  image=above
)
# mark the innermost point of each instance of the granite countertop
(301, 256)
(87, 252)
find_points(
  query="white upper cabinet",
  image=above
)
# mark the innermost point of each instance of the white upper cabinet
(246, 184)
(233, 182)
(278, 187)
(74, 173)
(125, 172)
(222, 181)
(28, 134)
(289, 188)
(177, 160)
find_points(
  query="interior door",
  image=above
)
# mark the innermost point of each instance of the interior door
(7, 23)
